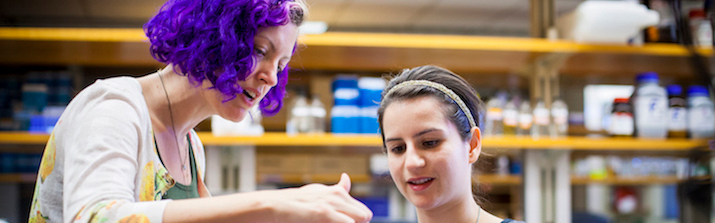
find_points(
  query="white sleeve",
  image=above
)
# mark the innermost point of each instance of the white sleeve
(101, 143)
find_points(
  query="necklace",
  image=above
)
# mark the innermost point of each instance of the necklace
(173, 128)
(478, 214)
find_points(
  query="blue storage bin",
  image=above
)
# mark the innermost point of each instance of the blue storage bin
(345, 119)
(380, 206)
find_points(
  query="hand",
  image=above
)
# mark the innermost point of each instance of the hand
(319, 203)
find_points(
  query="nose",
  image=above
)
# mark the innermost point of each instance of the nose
(414, 160)
(267, 72)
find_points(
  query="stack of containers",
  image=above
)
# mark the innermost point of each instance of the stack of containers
(345, 115)
(370, 89)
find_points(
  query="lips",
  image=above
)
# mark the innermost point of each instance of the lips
(251, 93)
(419, 184)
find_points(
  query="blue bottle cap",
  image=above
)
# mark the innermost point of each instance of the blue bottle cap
(674, 89)
(697, 90)
(647, 77)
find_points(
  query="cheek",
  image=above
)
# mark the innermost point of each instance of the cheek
(394, 164)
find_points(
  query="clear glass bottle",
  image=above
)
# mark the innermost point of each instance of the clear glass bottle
(299, 120)
(526, 119)
(511, 117)
(317, 114)
(560, 118)
(495, 117)
(541, 120)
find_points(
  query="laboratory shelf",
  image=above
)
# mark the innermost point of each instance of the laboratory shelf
(504, 142)
(350, 51)
(353, 39)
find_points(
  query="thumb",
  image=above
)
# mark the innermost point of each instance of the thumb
(344, 182)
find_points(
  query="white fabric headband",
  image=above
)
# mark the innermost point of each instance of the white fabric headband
(443, 89)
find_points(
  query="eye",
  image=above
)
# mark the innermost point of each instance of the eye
(430, 143)
(398, 149)
(259, 52)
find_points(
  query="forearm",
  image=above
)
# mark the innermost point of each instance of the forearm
(243, 207)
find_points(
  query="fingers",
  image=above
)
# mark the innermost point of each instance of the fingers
(353, 208)
(340, 218)
(345, 182)
(357, 211)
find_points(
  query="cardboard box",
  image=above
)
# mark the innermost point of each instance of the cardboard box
(336, 164)
(283, 163)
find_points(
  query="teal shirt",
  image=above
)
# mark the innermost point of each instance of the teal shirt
(181, 191)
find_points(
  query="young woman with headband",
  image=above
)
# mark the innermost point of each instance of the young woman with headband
(124, 149)
(429, 121)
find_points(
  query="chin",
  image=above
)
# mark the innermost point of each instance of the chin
(423, 203)
(236, 116)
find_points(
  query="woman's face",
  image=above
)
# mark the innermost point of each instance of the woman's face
(273, 48)
(428, 160)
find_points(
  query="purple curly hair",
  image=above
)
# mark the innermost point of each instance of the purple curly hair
(200, 37)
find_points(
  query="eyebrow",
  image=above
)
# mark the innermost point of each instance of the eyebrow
(415, 135)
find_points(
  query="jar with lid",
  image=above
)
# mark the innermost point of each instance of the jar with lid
(621, 118)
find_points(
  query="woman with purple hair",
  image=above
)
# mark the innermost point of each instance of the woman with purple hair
(124, 149)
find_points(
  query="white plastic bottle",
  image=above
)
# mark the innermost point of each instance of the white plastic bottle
(526, 119)
(560, 117)
(701, 119)
(650, 107)
(541, 120)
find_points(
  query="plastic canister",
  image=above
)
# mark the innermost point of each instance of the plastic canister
(370, 89)
(701, 120)
(345, 114)
(650, 106)
(606, 21)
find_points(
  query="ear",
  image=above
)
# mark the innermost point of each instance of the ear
(475, 145)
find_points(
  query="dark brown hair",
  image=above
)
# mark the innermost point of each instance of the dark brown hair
(442, 76)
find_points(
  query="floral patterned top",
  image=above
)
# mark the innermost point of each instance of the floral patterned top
(100, 164)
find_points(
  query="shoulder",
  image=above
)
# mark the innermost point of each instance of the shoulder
(106, 104)
(506, 220)
(127, 86)
(110, 92)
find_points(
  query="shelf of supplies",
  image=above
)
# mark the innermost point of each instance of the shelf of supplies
(354, 51)
(505, 142)
(18, 177)
(633, 180)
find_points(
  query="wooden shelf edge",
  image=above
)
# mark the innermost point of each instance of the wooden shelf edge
(309, 178)
(380, 40)
(496, 179)
(18, 177)
(636, 180)
(19, 137)
(504, 142)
